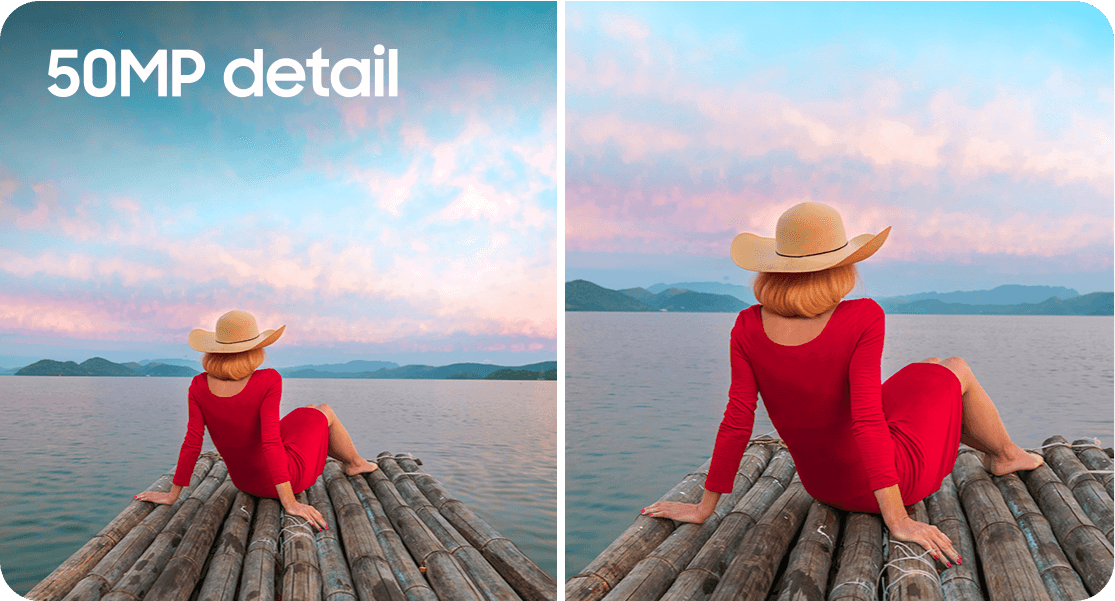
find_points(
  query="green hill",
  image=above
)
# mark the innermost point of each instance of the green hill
(46, 367)
(456, 371)
(103, 367)
(581, 295)
(521, 374)
(1096, 303)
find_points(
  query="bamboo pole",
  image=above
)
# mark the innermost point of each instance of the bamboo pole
(531, 582)
(336, 581)
(1085, 546)
(139, 579)
(398, 559)
(371, 575)
(752, 572)
(911, 572)
(860, 559)
(1088, 492)
(112, 567)
(445, 575)
(1061, 580)
(224, 569)
(1094, 458)
(808, 570)
(703, 573)
(301, 575)
(487, 580)
(181, 573)
(257, 582)
(63, 579)
(667, 564)
(644, 534)
(1009, 570)
(961, 581)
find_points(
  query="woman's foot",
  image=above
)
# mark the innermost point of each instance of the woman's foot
(362, 466)
(1016, 460)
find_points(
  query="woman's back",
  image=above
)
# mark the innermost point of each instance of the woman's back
(822, 395)
(244, 426)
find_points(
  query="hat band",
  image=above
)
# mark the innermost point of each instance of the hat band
(239, 341)
(809, 255)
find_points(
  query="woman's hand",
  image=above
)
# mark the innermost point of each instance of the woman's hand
(307, 512)
(160, 498)
(679, 512)
(926, 535)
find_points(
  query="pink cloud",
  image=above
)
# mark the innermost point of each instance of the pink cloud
(999, 136)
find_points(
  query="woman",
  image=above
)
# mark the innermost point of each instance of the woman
(265, 456)
(815, 359)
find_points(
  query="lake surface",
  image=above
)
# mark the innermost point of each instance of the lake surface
(644, 394)
(76, 449)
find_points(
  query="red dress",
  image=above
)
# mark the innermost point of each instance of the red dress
(848, 435)
(258, 448)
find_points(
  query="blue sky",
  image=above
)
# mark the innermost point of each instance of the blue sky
(418, 228)
(982, 132)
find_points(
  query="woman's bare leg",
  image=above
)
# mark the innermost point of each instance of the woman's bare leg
(340, 445)
(983, 429)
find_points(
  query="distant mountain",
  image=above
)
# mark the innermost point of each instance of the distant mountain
(521, 374)
(671, 298)
(681, 300)
(350, 367)
(103, 367)
(1010, 294)
(743, 293)
(46, 367)
(456, 371)
(1096, 303)
(194, 365)
(163, 370)
(581, 295)
(637, 293)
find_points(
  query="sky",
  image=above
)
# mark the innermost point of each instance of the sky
(981, 132)
(419, 228)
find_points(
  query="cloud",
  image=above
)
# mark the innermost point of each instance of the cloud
(622, 26)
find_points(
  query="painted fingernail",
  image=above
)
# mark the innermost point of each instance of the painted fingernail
(959, 561)
(948, 565)
(643, 511)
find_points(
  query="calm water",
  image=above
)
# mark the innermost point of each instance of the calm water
(645, 393)
(75, 449)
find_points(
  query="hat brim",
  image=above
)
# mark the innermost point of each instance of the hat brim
(206, 342)
(755, 253)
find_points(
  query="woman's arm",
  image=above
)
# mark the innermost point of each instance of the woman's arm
(890, 504)
(161, 498)
(292, 507)
(904, 527)
(285, 496)
(684, 512)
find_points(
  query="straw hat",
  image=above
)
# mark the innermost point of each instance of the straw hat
(236, 332)
(809, 237)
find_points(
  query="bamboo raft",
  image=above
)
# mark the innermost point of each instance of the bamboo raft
(1042, 535)
(394, 535)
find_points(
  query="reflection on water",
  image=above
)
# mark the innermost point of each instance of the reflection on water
(75, 449)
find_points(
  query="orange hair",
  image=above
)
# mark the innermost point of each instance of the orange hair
(804, 294)
(232, 366)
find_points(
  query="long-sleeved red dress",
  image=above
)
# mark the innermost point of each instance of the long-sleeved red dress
(259, 450)
(848, 435)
